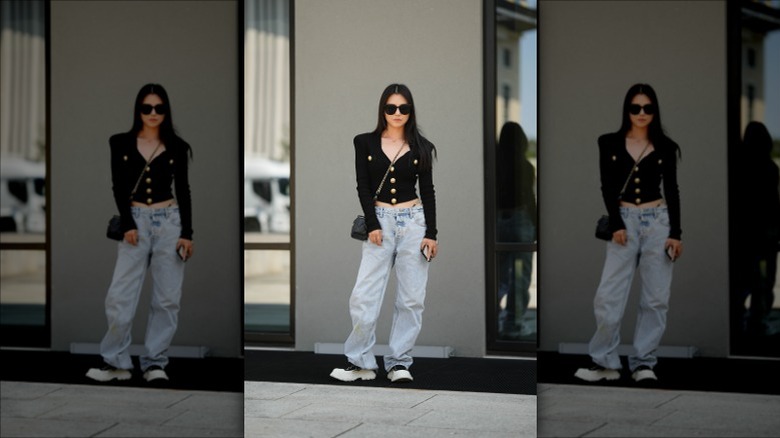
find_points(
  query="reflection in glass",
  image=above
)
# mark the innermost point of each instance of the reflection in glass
(515, 172)
(22, 122)
(755, 298)
(267, 291)
(22, 288)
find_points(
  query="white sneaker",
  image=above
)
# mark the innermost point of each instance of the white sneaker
(597, 373)
(399, 374)
(643, 372)
(154, 373)
(108, 373)
(352, 373)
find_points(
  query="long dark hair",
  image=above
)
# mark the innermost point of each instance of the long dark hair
(168, 134)
(655, 131)
(417, 143)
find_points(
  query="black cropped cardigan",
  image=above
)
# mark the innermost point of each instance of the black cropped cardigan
(155, 185)
(371, 163)
(656, 168)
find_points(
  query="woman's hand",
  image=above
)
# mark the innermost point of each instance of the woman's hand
(433, 248)
(675, 247)
(375, 237)
(185, 249)
(620, 237)
(131, 237)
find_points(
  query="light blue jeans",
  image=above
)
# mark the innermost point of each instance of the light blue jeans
(158, 233)
(647, 230)
(403, 230)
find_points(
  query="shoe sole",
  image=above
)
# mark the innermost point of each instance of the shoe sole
(644, 376)
(582, 374)
(151, 376)
(359, 375)
(98, 378)
(400, 376)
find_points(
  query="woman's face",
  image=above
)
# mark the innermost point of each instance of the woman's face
(396, 120)
(153, 119)
(641, 111)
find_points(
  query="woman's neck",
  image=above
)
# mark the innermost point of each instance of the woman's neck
(394, 133)
(637, 133)
(148, 133)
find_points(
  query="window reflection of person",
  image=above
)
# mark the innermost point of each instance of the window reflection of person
(516, 223)
(761, 215)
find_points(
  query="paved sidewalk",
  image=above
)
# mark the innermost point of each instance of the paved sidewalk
(57, 410)
(598, 411)
(308, 410)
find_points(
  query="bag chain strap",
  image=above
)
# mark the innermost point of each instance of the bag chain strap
(144, 168)
(632, 169)
(388, 171)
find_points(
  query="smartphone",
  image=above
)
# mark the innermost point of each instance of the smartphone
(424, 252)
(670, 253)
(181, 254)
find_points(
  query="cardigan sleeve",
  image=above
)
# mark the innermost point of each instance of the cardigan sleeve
(428, 197)
(363, 178)
(182, 186)
(121, 181)
(671, 191)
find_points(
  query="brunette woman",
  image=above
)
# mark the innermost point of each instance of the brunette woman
(636, 162)
(145, 163)
(390, 162)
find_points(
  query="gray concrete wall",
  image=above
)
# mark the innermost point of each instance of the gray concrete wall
(590, 54)
(101, 54)
(346, 53)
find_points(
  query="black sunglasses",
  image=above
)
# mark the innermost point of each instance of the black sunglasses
(390, 109)
(160, 109)
(636, 109)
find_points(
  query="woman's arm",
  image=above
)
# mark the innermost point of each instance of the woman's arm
(121, 181)
(671, 191)
(182, 186)
(610, 188)
(363, 178)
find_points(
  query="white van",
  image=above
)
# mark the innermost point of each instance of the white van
(22, 196)
(266, 196)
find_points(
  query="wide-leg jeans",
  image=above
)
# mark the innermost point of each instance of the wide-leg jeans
(158, 233)
(647, 230)
(403, 230)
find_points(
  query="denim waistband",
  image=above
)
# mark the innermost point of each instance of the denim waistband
(649, 211)
(390, 211)
(164, 211)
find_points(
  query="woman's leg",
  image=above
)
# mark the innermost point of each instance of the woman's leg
(412, 272)
(656, 271)
(122, 298)
(367, 295)
(167, 278)
(612, 295)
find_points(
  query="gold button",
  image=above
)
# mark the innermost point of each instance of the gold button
(614, 158)
(171, 161)
(636, 168)
(660, 161)
(392, 191)
(415, 162)
(148, 168)
(393, 201)
(370, 158)
(392, 168)
(149, 201)
(638, 201)
(125, 158)
(637, 191)
(150, 191)
(392, 180)
(148, 180)
(636, 180)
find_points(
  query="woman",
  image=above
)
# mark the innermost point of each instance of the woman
(402, 231)
(145, 162)
(635, 162)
